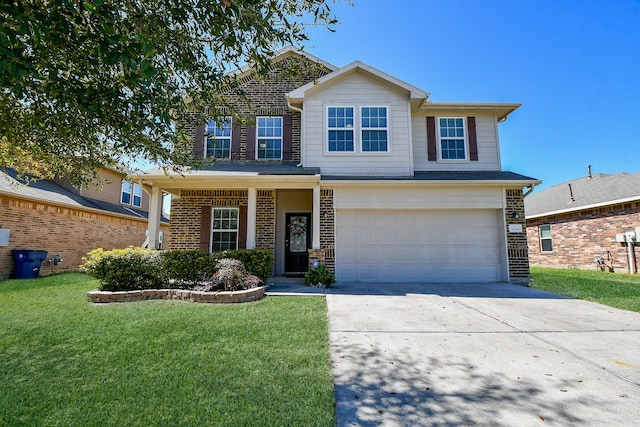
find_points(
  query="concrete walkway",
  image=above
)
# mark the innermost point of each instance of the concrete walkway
(478, 354)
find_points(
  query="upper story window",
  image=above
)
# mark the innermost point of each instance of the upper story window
(131, 194)
(219, 139)
(374, 128)
(368, 132)
(452, 138)
(340, 123)
(269, 137)
(546, 244)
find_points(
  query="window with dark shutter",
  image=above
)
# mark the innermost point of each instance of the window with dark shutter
(286, 137)
(432, 153)
(251, 141)
(473, 140)
(205, 227)
(242, 228)
(198, 146)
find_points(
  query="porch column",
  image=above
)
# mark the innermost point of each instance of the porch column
(155, 213)
(315, 241)
(251, 218)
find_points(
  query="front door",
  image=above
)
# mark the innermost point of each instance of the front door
(297, 240)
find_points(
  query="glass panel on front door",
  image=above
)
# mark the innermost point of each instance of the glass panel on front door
(298, 236)
(298, 230)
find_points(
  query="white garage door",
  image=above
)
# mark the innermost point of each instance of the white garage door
(438, 246)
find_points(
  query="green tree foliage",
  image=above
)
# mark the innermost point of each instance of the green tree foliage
(91, 83)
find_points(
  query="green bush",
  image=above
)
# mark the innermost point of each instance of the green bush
(321, 274)
(258, 262)
(185, 269)
(125, 269)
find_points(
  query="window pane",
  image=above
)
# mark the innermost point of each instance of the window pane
(269, 137)
(546, 245)
(340, 140)
(545, 231)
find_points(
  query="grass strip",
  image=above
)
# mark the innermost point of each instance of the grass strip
(65, 361)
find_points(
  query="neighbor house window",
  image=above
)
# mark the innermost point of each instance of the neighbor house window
(224, 229)
(452, 138)
(340, 124)
(269, 137)
(131, 194)
(219, 139)
(374, 128)
(545, 238)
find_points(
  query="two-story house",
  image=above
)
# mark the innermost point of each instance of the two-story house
(357, 169)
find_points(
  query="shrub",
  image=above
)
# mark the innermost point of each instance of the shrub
(185, 269)
(125, 269)
(258, 262)
(320, 275)
(233, 276)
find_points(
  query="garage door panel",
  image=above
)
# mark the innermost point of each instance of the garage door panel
(418, 246)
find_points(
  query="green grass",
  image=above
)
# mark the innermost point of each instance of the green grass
(613, 289)
(67, 362)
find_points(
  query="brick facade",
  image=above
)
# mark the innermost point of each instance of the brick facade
(266, 219)
(517, 250)
(67, 231)
(267, 98)
(186, 214)
(581, 236)
(327, 228)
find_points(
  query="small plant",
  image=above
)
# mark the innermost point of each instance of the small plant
(233, 276)
(320, 276)
(258, 262)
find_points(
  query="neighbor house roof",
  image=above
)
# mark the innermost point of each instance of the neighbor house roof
(584, 193)
(46, 191)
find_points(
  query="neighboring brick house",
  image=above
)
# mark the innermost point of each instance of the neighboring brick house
(583, 223)
(57, 217)
(358, 169)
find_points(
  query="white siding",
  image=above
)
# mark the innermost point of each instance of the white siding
(488, 150)
(357, 91)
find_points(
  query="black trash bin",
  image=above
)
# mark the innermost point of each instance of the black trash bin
(28, 263)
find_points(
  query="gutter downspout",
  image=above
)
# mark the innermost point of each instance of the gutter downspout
(298, 110)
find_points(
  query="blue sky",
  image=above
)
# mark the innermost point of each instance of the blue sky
(574, 65)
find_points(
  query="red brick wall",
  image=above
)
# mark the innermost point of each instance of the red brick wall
(70, 232)
(579, 237)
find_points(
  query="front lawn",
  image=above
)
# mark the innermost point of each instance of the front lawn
(613, 289)
(67, 362)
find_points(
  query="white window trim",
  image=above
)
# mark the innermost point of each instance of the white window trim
(357, 131)
(439, 141)
(211, 230)
(206, 136)
(257, 148)
(131, 193)
(545, 238)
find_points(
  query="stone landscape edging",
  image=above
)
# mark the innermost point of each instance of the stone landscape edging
(220, 297)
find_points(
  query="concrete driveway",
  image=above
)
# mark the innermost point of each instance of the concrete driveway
(480, 354)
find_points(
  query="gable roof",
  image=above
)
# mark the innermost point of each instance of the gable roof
(417, 96)
(46, 191)
(588, 192)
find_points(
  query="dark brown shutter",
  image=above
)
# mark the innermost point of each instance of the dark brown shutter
(205, 227)
(242, 228)
(198, 147)
(251, 140)
(432, 154)
(286, 137)
(473, 140)
(235, 141)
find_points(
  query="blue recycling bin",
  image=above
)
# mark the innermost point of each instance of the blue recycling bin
(28, 263)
